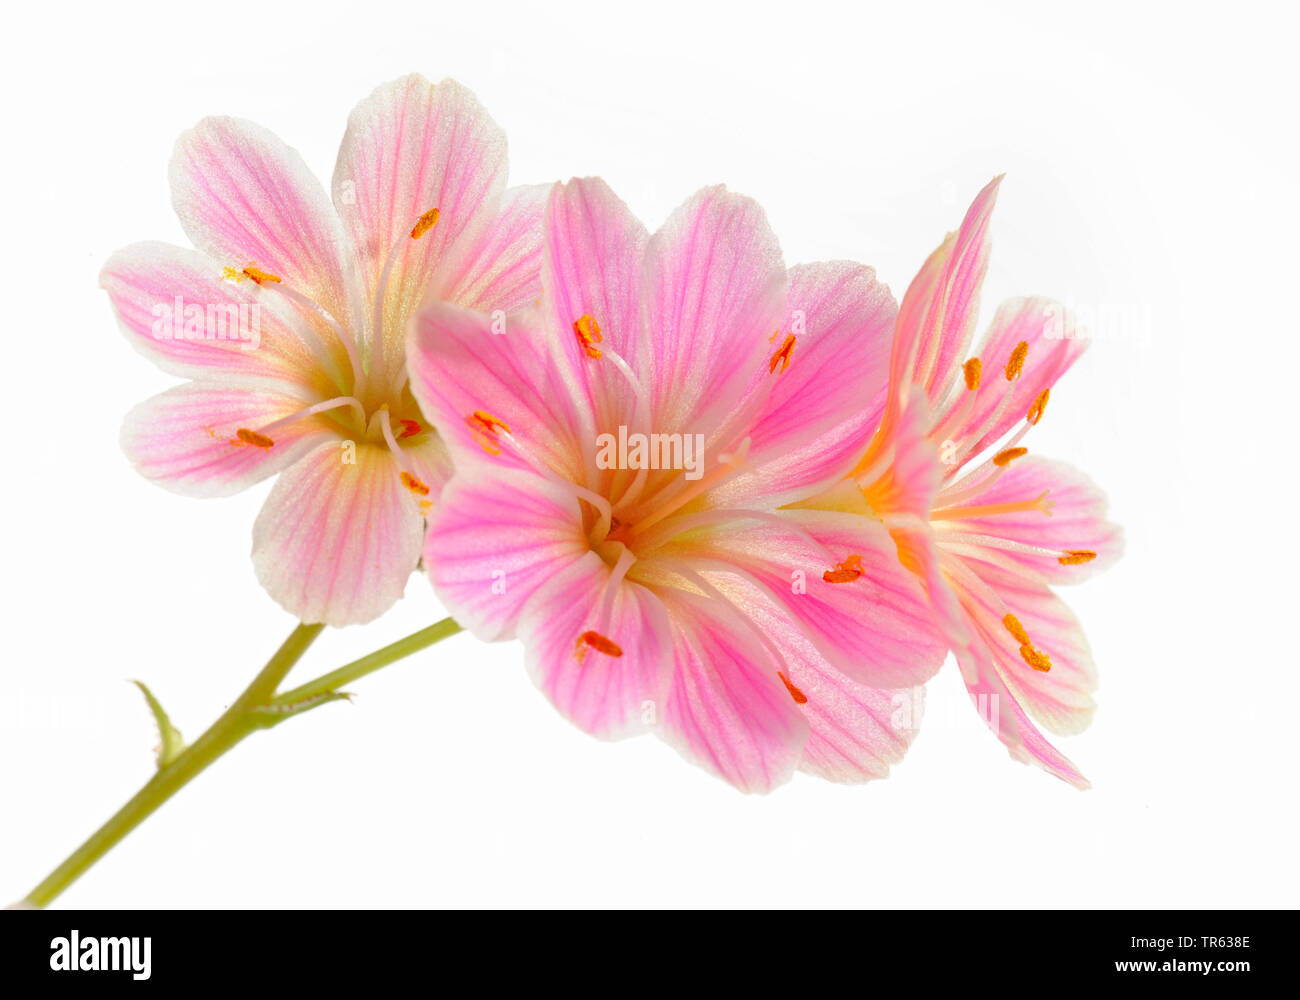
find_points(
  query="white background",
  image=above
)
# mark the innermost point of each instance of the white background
(1152, 162)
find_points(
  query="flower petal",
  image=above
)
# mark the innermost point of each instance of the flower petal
(1002, 713)
(856, 732)
(875, 627)
(245, 198)
(411, 147)
(610, 691)
(727, 710)
(430, 462)
(1001, 681)
(1076, 528)
(187, 438)
(175, 308)
(714, 288)
(592, 267)
(499, 266)
(460, 366)
(494, 539)
(821, 408)
(1060, 698)
(939, 309)
(336, 540)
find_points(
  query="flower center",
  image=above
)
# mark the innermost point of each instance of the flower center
(372, 405)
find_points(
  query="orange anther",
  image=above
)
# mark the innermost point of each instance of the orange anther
(424, 223)
(254, 438)
(799, 697)
(598, 642)
(782, 356)
(588, 332)
(844, 572)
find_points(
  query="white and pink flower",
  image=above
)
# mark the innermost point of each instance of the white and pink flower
(755, 639)
(986, 526)
(320, 393)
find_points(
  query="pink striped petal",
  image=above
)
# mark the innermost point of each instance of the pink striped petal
(727, 709)
(907, 484)
(856, 732)
(460, 366)
(499, 266)
(187, 438)
(411, 147)
(1076, 526)
(1060, 699)
(430, 462)
(939, 309)
(610, 691)
(336, 540)
(494, 540)
(1002, 713)
(714, 287)
(1054, 345)
(819, 412)
(592, 267)
(244, 197)
(875, 627)
(175, 308)
(1000, 680)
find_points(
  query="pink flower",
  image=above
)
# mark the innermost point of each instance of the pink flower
(290, 321)
(988, 536)
(654, 581)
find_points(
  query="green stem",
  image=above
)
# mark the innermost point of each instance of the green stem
(238, 721)
(368, 664)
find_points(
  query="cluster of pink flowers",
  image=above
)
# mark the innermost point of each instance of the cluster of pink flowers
(746, 507)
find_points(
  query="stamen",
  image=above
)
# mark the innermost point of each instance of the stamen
(782, 356)
(410, 428)
(414, 485)
(308, 302)
(595, 641)
(1039, 503)
(424, 223)
(386, 428)
(1073, 557)
(484, 427)
(254, 438)
(310, 411)
(488, 431)
(1016, 363)
(728, 465)
(259, 276)
(1008, 455)
(799, 697)
(588, 332)
(845, 572)
(1036, 658)
(1035, 413)
(1017, 630)
(980, 478)
(972, 370)
(671, 528)
(948, 539)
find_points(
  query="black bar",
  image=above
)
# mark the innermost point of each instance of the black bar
(1024, 951)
